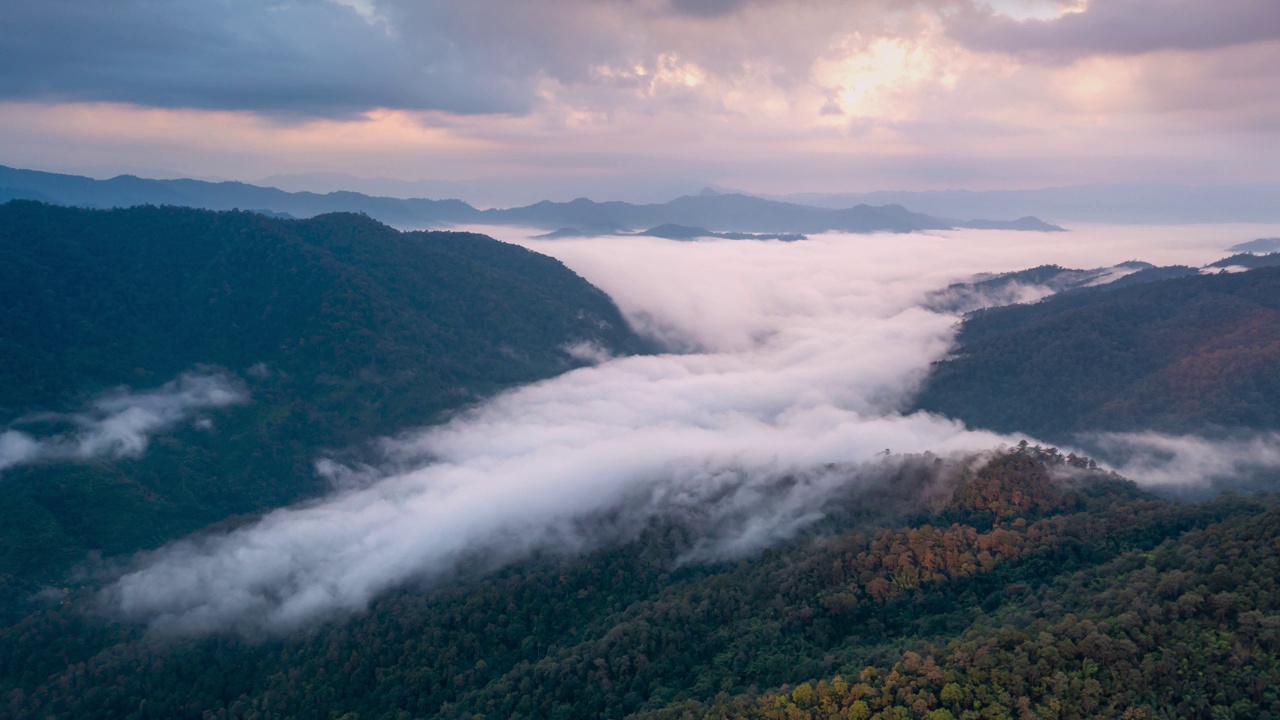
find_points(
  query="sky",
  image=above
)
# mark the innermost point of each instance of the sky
(632, 99)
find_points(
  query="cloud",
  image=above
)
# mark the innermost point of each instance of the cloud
(310, 58)
(633, 98)
(799, 359)
(116, 424)
(588, 351)
(341, 59)
(1122, 27)
(707, 8)
(1187, 461)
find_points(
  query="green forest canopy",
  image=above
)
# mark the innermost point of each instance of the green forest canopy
(1179, 355)
(1039, 589)
(356, 330)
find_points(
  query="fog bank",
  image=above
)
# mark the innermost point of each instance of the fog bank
(796, 360)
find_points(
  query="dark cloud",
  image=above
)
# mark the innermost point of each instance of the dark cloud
(312, 57)
(1123, 27)
(707, 8)
(338, 58)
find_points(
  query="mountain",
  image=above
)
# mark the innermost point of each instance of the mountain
(1032, 284)
(1186, 354)
(684, 232)
(323, 183)
(504, 190)
(1246, 261)
(717, 212)
(1026, 223)
(1261, 245)
(670, 232)
(129, 191)
(1098, 203)
(1030, 584)
(338, 329)
(730, 213)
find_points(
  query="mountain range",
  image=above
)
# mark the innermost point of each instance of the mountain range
(710, 210)
(1111, 203)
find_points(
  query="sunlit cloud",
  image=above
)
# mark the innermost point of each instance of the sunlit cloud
(768, 97)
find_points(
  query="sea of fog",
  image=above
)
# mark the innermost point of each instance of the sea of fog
(789, 360)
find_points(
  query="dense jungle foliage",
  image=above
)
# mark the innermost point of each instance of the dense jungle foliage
(1188, 354)
(1031, 587)
(341, 328)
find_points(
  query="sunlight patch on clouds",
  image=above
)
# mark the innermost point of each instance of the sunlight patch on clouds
(1035, 9)
(768, 98)
(880, 79)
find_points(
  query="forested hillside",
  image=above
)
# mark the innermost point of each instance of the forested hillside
(1033, 585)
(1017, 584)
(339, 329)
(1187, 354)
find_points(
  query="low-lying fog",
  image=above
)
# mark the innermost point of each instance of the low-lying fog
(792, 357)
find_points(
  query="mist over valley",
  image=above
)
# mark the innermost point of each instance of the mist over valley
(644, 360)
(749, 397)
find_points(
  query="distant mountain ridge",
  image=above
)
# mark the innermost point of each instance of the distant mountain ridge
(1261, 245)
(1100, 203)
(712, 211)
(129, 191)
(670, 231)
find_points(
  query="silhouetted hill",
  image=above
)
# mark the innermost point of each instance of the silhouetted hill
(1261, 245)
(1247, 261)
(734, 212)
(1098, 203)
(129, 191)
(1026, 224)
(1034, 283)
(341, 329)
(725, 213)
(717, 212)
(1185, 355)
(670, 232)
(684, 232)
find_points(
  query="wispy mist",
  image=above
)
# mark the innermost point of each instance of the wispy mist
(797, 361)
(116, 424)
(1188, 461)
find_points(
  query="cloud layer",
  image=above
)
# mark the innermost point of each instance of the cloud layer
(1123, 27)
(799, 359)
(117, 424)
(616, 97)
(314, 58)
